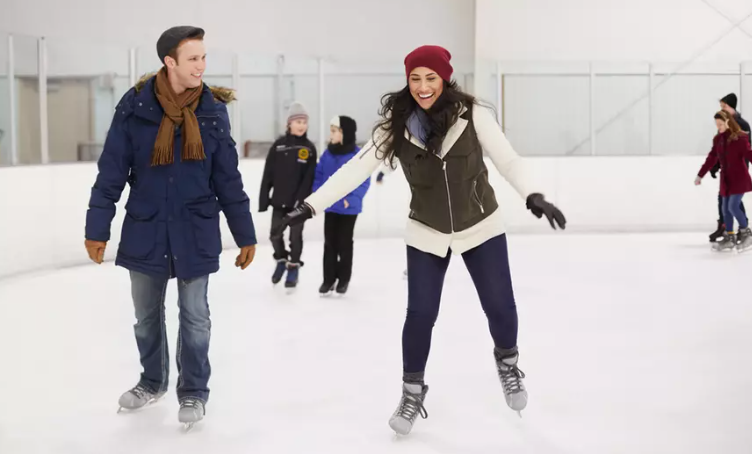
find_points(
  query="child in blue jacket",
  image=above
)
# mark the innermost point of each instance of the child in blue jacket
(339, 220)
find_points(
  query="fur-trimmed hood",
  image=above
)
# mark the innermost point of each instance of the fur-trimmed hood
(221, 94)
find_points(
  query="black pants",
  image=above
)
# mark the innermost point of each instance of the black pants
(296, 239)
(489, 268)
(338, 247)
(720, 209)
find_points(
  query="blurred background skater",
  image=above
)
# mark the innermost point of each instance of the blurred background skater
(288, 174)
(340, 218)
(728, 105)
(731, 150)
(440, 135)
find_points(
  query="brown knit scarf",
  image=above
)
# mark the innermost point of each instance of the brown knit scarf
(178, 111)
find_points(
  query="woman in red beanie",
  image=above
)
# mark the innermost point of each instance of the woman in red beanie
(731, 150)
(439, 135)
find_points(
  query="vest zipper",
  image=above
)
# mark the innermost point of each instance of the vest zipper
(475, 193)
(449, 196)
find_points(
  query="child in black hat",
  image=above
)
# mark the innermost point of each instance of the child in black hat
(339, 221)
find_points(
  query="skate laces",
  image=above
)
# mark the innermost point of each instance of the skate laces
(511, 378)
(140, 391)
(190, 402)
(411, 406)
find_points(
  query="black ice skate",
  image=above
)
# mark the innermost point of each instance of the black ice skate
(727, 244)
(744, 240)
(342, 287)
(326, 289)
(410, 406)
(293, 269)
(191, 411)
(279, 271)
(511, 379)
(718, 232)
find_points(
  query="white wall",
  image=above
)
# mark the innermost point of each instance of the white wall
(44, 207)
(610, 30)
(301, 27)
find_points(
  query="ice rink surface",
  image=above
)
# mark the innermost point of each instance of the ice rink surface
(631, 344)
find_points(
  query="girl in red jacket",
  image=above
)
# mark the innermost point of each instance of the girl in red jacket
(731, 148)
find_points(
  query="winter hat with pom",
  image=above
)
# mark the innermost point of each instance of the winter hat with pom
(348, 126)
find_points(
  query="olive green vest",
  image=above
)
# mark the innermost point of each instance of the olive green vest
(453, 193)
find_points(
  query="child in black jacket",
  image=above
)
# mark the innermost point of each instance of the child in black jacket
(288, 174)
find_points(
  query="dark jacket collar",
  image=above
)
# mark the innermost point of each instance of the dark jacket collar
(146, 105)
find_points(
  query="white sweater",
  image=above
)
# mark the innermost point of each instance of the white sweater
(419, 235)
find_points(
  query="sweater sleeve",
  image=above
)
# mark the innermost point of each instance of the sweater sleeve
(346, 179)
(509, 164)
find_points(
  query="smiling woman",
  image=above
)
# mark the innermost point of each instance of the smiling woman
(440, 134)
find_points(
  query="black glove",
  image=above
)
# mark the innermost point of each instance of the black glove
(538, 205)
(714, 170)
(299, 215)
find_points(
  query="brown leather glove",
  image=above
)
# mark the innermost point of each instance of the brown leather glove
(245, 257)
(95, 250)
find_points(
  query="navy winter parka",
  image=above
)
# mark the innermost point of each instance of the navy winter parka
(171, 226)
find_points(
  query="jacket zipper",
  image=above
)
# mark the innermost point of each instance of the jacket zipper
(449, 196)
(477, 199)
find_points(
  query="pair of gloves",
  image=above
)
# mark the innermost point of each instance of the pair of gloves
(95, 249)
(536, 203)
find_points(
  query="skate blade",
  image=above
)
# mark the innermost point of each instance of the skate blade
(187, 426)
(146, 405)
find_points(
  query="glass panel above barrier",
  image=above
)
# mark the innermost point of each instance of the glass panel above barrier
(6, 133)
(27, 99)
(85, 82)
(684, 106)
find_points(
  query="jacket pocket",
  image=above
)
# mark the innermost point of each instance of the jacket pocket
(139, 235)
(205, 225)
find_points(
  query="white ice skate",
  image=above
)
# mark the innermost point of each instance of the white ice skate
(511, 380)
(744, 240)
(410, 406)
(191, 411)
(138, 397)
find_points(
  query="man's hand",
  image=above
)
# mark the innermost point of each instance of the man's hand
(95, 250)
(247, 253)
(347, 204)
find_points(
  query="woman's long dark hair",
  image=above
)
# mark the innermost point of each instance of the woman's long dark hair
(396, 108)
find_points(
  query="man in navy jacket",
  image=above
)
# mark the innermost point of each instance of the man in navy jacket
(170, 142)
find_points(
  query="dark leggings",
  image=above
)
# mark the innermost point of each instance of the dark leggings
(488, 265)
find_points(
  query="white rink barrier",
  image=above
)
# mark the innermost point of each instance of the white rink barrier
(43, 207)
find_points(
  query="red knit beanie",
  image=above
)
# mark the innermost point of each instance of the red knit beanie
(433, 57)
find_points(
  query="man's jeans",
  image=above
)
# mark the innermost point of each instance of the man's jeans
(193, 335)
